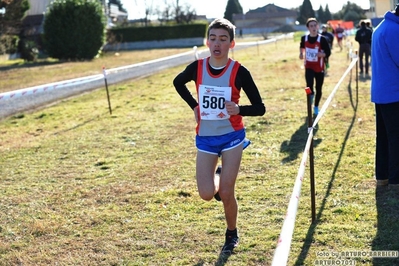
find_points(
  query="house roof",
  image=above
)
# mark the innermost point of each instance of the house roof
(270, 11)
(115, 12)
(267, 16)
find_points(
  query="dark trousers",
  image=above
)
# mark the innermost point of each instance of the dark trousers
(364, 53)
(311, 76)
(387, 142)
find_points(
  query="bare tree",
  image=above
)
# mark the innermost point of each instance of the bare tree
(165, 14)
(171, 10)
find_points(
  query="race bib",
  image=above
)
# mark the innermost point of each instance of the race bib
(212, 102)
(311, 54)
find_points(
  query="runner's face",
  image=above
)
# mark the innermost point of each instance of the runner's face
(313, 27)
(219, 43)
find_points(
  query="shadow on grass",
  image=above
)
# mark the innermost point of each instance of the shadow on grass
(386, 239)
(222, 260)
(78, 125)
(295, 146)
(309, 236)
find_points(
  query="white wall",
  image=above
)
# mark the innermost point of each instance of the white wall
(37, 7)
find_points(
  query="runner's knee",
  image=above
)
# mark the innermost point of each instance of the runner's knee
(206, 195)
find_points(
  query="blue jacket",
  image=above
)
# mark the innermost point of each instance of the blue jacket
(385, 61)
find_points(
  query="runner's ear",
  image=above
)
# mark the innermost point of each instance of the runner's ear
(232, 44)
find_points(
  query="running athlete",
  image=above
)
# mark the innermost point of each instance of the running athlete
(330, 39)
(340, 33)
(314, 48)
(363, 37)
(220, 129)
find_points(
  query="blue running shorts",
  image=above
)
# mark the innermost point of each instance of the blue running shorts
(218, 144)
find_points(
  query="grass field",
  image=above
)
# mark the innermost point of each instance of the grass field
(82, 187)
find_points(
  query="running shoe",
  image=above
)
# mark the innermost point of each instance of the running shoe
(218, 171)
(316, 110)
(230, 243)
(217, 196)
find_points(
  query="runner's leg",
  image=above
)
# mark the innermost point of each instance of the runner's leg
(231, 160)
(205, 174)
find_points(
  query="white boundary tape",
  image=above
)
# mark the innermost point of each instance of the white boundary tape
(81, 80)
(12, 102)
(48, 87)
(284, 242)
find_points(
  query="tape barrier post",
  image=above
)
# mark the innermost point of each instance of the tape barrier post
(357, 71)
(311, 156)
(106, 87)
(195, 49)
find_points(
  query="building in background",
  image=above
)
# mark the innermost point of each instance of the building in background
(378, 8)
(264, 19)
(116, 16)
(32, 23)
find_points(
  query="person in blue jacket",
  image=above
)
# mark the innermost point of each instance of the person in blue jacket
(385, 96)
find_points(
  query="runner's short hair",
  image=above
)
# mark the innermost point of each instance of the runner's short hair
(310, 20)
(222, 23)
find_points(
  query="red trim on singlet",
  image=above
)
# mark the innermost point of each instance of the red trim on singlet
(197, 83)
(236, 120)
(199, 72)
(221, 73)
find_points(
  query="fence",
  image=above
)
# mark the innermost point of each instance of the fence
(281, 254)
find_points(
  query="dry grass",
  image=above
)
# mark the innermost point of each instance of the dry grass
(81, 187)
